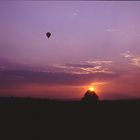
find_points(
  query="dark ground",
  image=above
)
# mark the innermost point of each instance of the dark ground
(42, 119)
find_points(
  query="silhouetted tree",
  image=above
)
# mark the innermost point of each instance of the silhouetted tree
(90, 97)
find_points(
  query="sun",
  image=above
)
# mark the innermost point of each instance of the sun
(91, 88)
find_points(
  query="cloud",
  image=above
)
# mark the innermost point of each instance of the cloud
(87, 67)
(100, 62)
(133, 59)
(127, 54)
(136, 61)
(18, 77)
(111, 30)
(97, 69)
(57, 74)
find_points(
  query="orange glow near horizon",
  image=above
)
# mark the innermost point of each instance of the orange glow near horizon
(91, 87)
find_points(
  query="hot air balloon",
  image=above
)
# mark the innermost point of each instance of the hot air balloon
(48, 34)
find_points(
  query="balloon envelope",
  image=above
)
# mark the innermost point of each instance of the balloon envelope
(48, 34)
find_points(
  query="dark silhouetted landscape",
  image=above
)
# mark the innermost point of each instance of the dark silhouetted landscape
(39, 119)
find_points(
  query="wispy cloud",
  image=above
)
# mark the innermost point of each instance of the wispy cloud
(97, 69)
(86, 67)
(99, 62)
(126, 54)
(136, 61)
(132, 58)
(111, 30)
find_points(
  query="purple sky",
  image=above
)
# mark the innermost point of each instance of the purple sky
(91, 41)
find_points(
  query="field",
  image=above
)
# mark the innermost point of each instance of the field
(39, 119)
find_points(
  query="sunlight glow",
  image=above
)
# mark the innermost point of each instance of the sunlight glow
(91, 88)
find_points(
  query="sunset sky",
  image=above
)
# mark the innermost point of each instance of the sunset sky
(91, 42)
